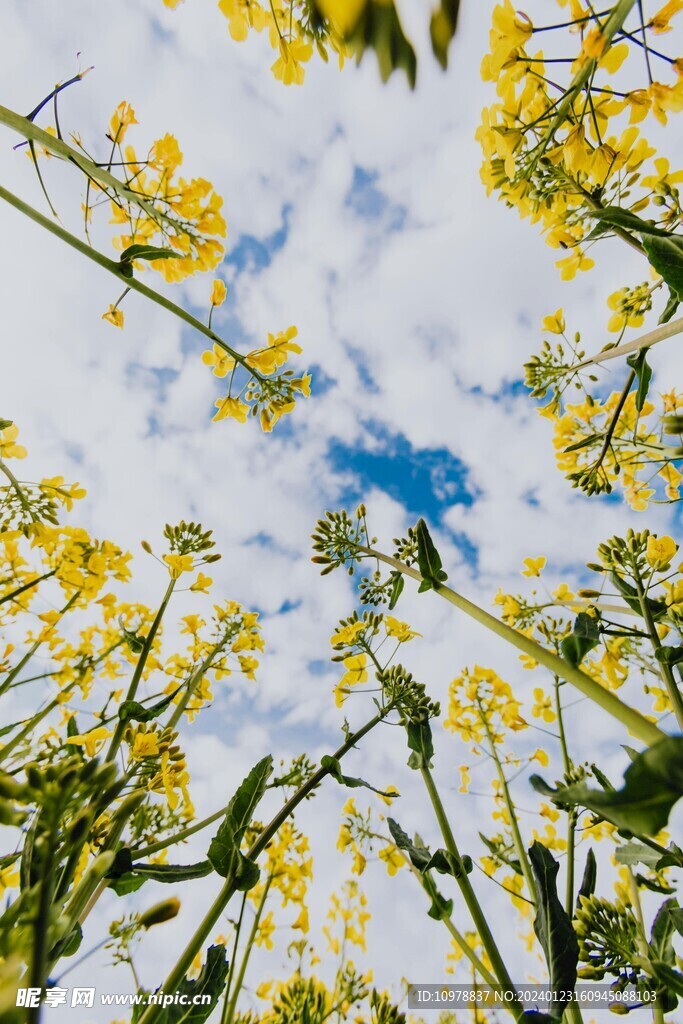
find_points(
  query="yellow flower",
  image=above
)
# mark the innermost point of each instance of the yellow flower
(400, 630)
(356, 671)
(343, 13)
(221, 360)
(178, 564)
(660, 551)
(543, 708)
(554, 323)
(265, 931)
(9, 878)
(540, 756)
(92, 740)
(392, 858)
(562, 593)
(287, 68)
(231, 408)
(145, 744)
(533, 566)
(347, 635)
(218, 292)
(123, 116)
(114, 316)
(8, 448)
(202, 584)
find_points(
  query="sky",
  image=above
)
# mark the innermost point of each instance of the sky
(355, 211)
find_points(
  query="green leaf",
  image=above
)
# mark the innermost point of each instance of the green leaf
(672, 305)
(584, 638)
(190, 1009)
(669, 655)
(397, 584)
(553, 928)
(672, 979)
(446, 864)
(614, 215)
(379, 28)
(420, 857)
(638, 362)
(335, 771)
(428, 559)
(4, 424)
(663, 928)
(590, 875)
(224, 850)
(132, 710)
(148, 252)
(420, 742)
(637, 853)
(442, 29)
(127, 883)
(673, 858)
(666, 256)
(630, 596)
(653, 783)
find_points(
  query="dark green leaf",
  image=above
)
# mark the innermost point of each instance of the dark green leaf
(630, 596)
(419, 855)
(442, 29)
(665, 254)
(670, 978)
(583, 443)
(669, 655)
(211, 982)
(646, 882)
(663, 928)
(672, 305)
(224, 850)
(584, 638)
(127, 883)
(553, 928)
(132, 710)
(590, 875)
(428, 559)
(638, 362)
(614, 215)
(4, 424)
(652, 785)
(148, 252)
(420, 742)
(379, 28)
(397, 583)
(445, 863)
(673, 858)
(334, 767)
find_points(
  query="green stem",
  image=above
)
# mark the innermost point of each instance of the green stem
(229, 1016)
(571, 819)
(632, 719)
(10, 746)
(27, 586)
(139, 668)
(196, 943)
(115, 268)
(457, 936)
(614, 23)
(666, 671)
(471, 901)
(644, 341)
(231, 970)
(39, 961)
(19, 491)
(511, 810)
(194, 681)
(178, 837)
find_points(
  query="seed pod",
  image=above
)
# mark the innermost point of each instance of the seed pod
(160, 912)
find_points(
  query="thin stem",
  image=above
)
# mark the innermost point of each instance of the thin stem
(139, 668)
(229, 1016)
(510, 807)
(666, 671)
(238, 929)
(27, 586)
(632, 719)
(471, 901)
(23, 500)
